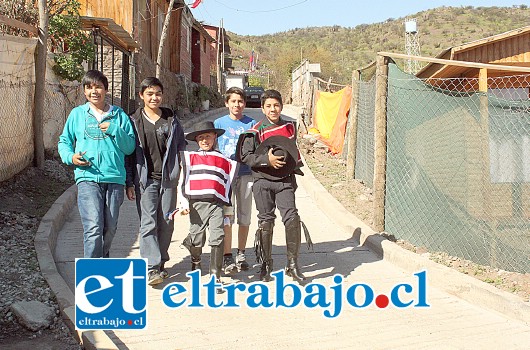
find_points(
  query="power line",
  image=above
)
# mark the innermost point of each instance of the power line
(260, 11)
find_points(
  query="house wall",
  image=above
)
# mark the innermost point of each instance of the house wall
(213, 31)
(185, 45)
(515, 49)
(121, 11)
(196, 40)
(205, 61)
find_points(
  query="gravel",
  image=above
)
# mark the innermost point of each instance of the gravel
(23, 201)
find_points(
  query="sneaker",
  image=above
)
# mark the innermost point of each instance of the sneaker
(163, 272)
(228, 264)
(241, 262)
(154, 278)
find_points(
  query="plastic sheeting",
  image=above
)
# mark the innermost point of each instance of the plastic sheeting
(331, 117)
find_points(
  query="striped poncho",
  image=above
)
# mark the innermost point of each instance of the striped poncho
(207, 176)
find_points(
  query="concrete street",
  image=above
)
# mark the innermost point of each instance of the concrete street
(342, 245)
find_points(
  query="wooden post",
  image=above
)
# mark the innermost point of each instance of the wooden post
(352, 135)
(381, 85)
(40, 85)
(328, 87)
(486, 179)
(163, 38)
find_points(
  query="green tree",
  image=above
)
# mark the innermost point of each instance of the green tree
(69, 43)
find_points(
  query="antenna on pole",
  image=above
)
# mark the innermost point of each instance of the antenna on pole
(412, 46)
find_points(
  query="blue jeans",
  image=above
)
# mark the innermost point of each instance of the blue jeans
(99, 207)
(156, 229)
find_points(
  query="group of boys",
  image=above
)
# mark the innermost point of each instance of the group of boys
(145, 156)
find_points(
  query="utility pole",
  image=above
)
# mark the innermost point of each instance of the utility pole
(218, 58)
(40, 85)
(163, 38)
(221, 57)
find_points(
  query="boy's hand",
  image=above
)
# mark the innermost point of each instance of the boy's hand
(184, 212)
(130, 193)
(104, 126)
(78, 159)
(275, 161)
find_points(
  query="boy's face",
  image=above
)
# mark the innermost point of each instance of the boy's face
(206, 141)
(95, 94)
(235, 105)
(152, 97)
(272, 108)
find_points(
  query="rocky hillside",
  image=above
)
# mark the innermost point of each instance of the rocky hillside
(341, 49)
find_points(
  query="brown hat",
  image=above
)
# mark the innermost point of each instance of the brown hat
(281, 146)
(201, 128)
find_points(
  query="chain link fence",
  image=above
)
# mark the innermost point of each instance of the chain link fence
(17, 87)
(458, 167)
(364, 154)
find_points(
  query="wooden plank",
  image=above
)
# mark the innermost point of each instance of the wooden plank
(483, 80)
(458, 63)
(494, 38)
(18, 24)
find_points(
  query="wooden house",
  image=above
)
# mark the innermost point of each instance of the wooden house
(127, 36)
(111, 25)
(508, 49)
(201, 55)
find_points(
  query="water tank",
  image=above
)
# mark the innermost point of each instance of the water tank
(410, 27)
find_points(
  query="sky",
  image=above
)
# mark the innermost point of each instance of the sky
(258, 17)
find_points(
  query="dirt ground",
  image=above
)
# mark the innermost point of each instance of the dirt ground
(330, 170)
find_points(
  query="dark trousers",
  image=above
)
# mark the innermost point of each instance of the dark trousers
(270, 195)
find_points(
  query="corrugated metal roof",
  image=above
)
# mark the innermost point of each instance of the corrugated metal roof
(112, 30)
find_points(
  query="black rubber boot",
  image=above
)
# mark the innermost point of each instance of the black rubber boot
(263, 247)
(195, 253)
(216, 264)
(293, 239)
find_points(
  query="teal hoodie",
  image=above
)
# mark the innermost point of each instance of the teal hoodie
(105, 151)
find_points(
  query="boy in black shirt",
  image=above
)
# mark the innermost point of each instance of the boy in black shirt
(152, 175)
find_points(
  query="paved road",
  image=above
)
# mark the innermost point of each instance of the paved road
(449, 323)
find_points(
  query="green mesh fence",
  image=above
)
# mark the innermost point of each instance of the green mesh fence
(364, 150)
(458, 168)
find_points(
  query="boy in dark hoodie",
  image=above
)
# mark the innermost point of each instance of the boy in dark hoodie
(152, 175)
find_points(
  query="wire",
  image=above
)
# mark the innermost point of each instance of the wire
(157, 16)
(260, 11)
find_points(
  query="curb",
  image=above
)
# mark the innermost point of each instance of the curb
(442, 277)
(187, 122)
(45, 242)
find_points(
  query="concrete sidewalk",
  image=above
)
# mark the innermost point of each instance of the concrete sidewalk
(464, 313)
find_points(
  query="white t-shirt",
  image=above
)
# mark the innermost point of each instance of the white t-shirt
(101, 116)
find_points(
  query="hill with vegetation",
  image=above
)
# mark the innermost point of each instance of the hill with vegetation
(340, 50)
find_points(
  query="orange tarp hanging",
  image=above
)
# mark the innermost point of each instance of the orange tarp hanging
(331, 117)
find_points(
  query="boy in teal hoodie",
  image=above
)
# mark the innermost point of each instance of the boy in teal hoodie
(95, 140)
